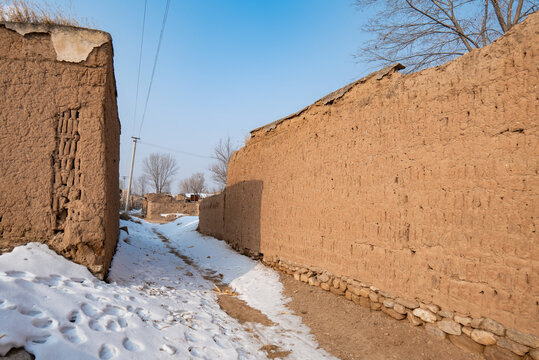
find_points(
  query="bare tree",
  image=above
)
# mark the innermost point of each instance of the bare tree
(196, 184)
(222, 153)
(160, 170)
(140, 185)
(423, 33)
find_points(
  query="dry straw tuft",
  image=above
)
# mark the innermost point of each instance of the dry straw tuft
(28, 11)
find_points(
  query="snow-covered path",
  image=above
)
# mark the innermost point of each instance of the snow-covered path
(159, 304)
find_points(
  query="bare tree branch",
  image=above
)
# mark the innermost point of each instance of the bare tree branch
(160, 170)
(519, 10)
(139, 185)
(196, 184)
(222, 153)
(422, 33)
(499, 15)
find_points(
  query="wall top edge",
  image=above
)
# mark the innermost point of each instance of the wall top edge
(337, 94)
(72, 44)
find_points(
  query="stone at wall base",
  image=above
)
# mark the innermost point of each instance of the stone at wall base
(365, 302)
(395, 315)
(18, 354)
(414, 320)
(512, 346)
(521, 338)
(336, 291)
(483, 337)
(465, 343)
(534, 354)
(433, 331)
(449, 327)
(497, 353)
(324, 286)
(439, 325)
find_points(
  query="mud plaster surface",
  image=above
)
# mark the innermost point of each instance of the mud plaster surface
(70, 43)
(59, 146)
(425, 185)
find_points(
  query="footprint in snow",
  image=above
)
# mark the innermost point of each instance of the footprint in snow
(169, 349)
(46, 281)
(6, 305)
(95, 298)
(96, 326)
(39, 340)
(142, 314)
(43, 323)
(114, 310)
(113, 325)
(221, 341)
(107, 352)
(196, 352)
(194, 337)
(72, 334)
(74, 317)
(122, 322)
(82, 281)
(89, 310)
(132, 345)
(29, 311)
(19, 274)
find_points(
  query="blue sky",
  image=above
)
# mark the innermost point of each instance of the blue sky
(225, 67)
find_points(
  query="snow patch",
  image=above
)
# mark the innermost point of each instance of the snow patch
(157, 305)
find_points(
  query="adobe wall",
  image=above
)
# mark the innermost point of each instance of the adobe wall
(211, 217)
(421, 187)
(59, 142)
(156, 204)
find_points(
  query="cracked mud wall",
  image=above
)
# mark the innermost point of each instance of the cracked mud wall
(59, 142)
(424, 185)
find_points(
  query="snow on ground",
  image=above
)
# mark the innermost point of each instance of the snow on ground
(175, 214)
(158, 304)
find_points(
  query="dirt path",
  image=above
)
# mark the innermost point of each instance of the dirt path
(228, 300)
(349, 331)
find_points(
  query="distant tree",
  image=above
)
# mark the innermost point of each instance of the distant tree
(222, 153)
(423, 33)
(196, 184)
(160, 169)
(140, 185)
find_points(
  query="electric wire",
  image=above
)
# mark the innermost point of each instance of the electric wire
(176, 150)
(139, 66)
(154, 65)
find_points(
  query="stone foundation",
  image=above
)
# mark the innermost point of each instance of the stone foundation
(478, 335)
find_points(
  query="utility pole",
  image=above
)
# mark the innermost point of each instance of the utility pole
(131, 173)
(123, 191)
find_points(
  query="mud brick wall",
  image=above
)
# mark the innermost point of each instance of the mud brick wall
(424, 186)
(59, 142)
(212, 216)
(156, 204)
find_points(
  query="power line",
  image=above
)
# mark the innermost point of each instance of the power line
(155, 64)
(139, 66)
(175, 150)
